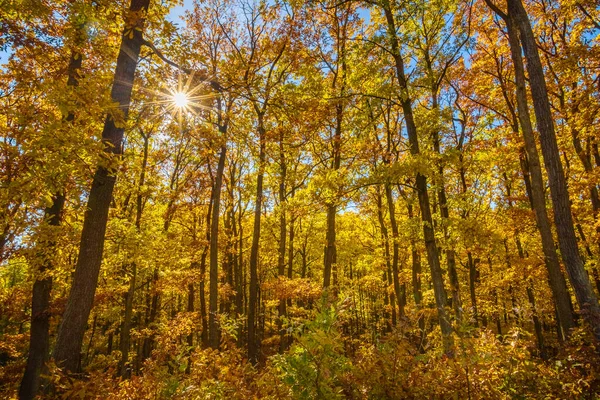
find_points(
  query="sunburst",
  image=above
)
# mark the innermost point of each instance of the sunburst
(180, 99)
(183, 99)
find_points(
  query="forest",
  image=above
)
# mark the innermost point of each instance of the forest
(285, 199)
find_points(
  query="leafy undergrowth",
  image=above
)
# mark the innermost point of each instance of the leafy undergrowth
(324, 364)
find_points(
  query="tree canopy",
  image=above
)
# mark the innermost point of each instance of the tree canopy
(364, 199)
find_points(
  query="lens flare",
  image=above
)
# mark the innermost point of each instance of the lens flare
(180, 99)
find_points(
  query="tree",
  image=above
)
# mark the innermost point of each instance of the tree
(587, 299)
(81, 297)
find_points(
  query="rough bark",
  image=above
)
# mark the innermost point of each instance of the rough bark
(586, 298)
(85, 279)
(556, 279)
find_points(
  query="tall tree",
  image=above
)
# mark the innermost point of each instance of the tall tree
(85, 279)
(39, 337)
(420, 179)
(586, 298)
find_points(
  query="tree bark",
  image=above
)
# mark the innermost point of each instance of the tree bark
(556, 279)
(330, 258)
(386, 246)
(39, 336)
(213, 329)
(253, 345)
(445, 214)
(421, 185)
(85, 279)
(586, 298)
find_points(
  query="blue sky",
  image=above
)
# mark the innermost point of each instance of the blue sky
(178, 11)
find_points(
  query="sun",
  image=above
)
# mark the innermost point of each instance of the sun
(180, 99)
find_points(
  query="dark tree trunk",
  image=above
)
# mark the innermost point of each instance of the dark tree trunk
(587, 299)
(124, 341)
(398, 289)
(202, 286)
(282, 242)
(386, 245)
(416, 281)
(556, 279)
(330, 250)
(445, 214)
(330, 256)
(537, 325)
(39, 342)
(39, 336)
(253, 345)
(85, 279)
(213, 329)
(473, 279)
(421, 186)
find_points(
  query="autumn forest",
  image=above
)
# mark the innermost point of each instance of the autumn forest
(283, 199)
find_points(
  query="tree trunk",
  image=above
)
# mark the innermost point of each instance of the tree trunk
(556, 279)
(39, 336)
(124, 341)
(330, 257)
(398, 289)
(473, 278)
(85, 279)
(445, 214)
(282, 242)
(416, 281)
(421, 186)
(213, 329)
(253, 345)
(587, 299)
(386, 246)
(202, 286)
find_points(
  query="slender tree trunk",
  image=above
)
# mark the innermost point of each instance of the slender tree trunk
(587, 299)
(398, 289)
(473, 279)
(213, 329)
(240, 289)
(416, 282)
(330, 257)
(445, 214)
(253, 345)
(537, 325)
(330, 246)
(202, 286)
(282, 242)
(124, 341)
(125, 338)
(421, 186)
(386, 244)
(39, 336)
(39, 342)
